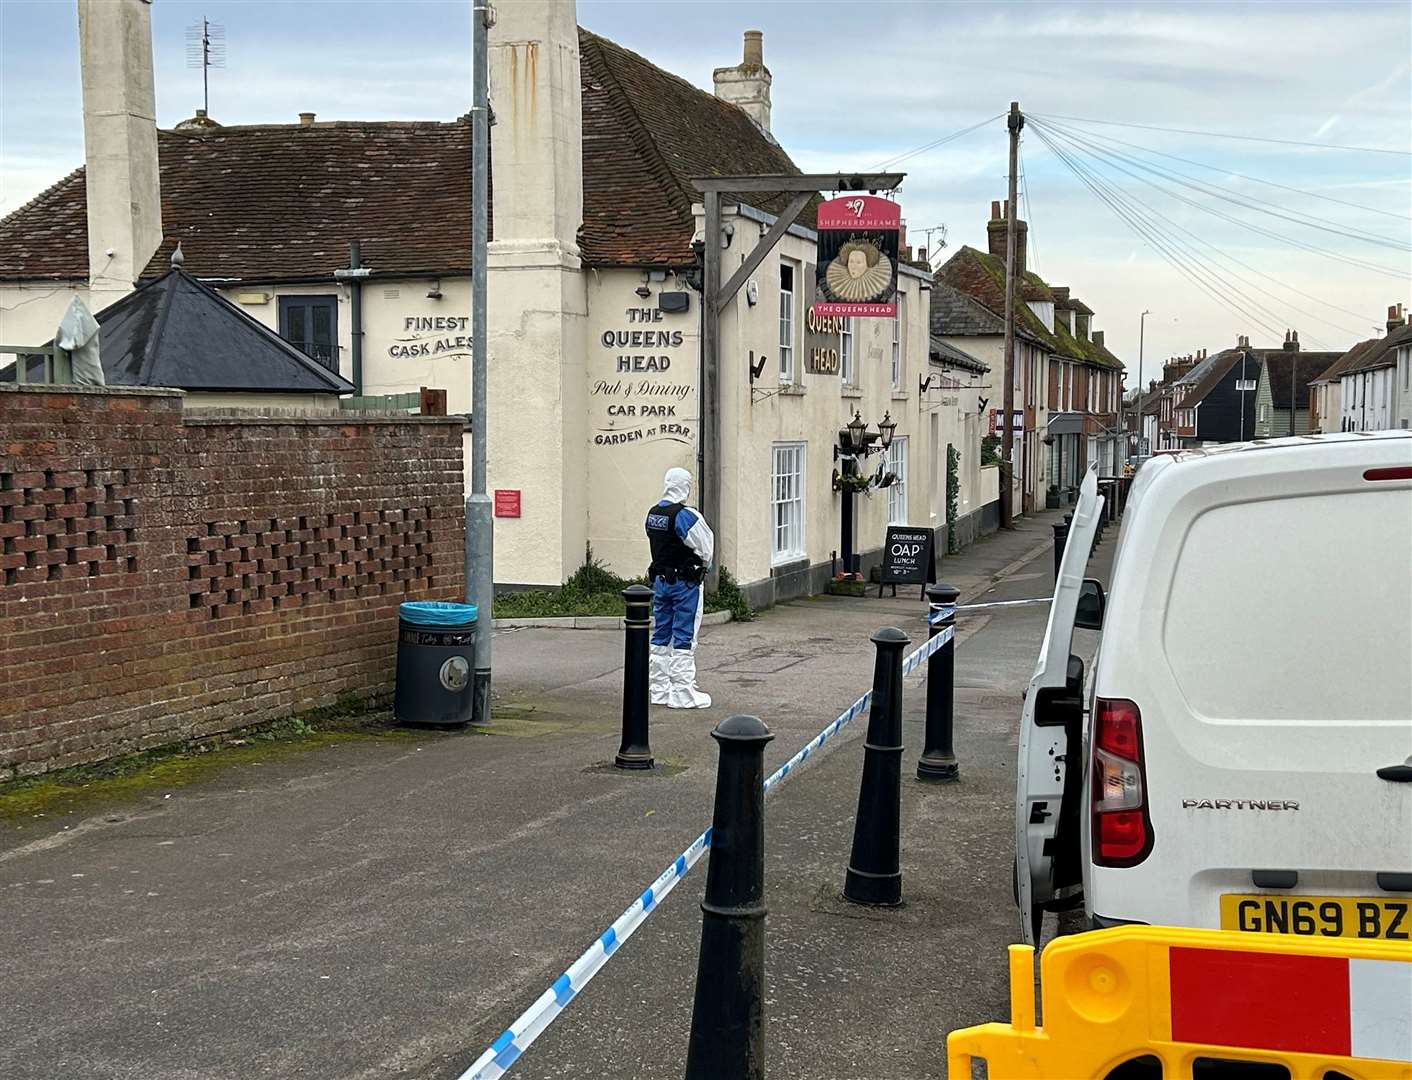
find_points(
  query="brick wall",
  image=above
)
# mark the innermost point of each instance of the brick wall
(164, 577)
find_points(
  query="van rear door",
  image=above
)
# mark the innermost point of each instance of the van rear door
(1266, 637)
(1047, 797)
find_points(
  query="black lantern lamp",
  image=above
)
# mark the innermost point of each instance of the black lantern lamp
(857, 432)
(886, 426)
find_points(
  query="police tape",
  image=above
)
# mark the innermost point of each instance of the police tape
(530, 1024)
(516, 1039)
(937, 616)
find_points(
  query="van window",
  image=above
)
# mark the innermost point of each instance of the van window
(1295, 609)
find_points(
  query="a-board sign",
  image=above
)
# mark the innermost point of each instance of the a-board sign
(909, 556)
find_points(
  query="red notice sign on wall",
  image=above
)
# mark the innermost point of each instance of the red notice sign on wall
(507, 503)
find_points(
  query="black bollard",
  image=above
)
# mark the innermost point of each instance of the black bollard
(874, 868)
(728, 1017)
(635, 753)
(938, 760)
(1061, 537)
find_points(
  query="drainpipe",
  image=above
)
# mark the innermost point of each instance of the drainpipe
(353, 277)
(355, 309)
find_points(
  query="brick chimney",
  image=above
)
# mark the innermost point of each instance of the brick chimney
(1395, 319)
(747, 85)
(1098, 338)
(119, 144)
(996, 229)
(1291, 341)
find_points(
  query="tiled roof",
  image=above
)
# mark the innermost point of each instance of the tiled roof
(176, 331)
(1370, 355)
(646, 134)
(981, 276)
(951, 356)
(281, 201)
(1208, 376)
(278, 202)
(1305, 366)
(954, 314)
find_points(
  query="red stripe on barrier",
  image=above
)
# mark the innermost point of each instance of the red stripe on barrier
(1260, 1001)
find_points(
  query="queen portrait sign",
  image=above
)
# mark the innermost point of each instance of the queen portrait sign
(858, 242)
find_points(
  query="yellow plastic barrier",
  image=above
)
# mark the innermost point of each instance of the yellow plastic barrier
(1319, 1007)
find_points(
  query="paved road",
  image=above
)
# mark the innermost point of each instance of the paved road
(384, 909)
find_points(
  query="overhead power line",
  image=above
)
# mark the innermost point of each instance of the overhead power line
(1216, 283)
(1245, 201)
(936, 143)
(1301, 313)
(1361, 264)
(1248, 176)
(1029, 213)
(1225, 135)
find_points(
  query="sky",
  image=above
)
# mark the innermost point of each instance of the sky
(859, 85)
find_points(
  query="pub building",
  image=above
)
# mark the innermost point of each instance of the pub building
(595, 317)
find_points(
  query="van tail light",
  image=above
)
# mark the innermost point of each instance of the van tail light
(1122, 829)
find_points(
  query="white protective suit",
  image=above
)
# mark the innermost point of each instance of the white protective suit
(677, 600)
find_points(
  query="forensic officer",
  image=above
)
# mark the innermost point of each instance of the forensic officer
(682, 545)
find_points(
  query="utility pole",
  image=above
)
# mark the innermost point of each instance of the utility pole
(479, 542)
(1014, 123)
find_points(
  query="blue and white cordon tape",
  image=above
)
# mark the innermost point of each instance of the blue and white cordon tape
(516, 1039)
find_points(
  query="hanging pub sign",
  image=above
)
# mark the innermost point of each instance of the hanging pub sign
(857, 267)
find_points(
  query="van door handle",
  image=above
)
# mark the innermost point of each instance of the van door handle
(1398, 774)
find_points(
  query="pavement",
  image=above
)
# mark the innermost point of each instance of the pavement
(385, 908)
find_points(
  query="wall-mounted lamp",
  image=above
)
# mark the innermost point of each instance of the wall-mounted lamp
(434, 293)
(643, 291)
(752, 292)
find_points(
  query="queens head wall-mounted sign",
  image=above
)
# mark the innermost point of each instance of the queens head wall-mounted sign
(858, 246)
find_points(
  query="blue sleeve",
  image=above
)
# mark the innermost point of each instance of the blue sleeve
(685, 520)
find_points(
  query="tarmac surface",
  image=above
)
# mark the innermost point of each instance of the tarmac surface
(386, 908)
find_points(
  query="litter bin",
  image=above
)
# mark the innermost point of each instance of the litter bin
(436, 650)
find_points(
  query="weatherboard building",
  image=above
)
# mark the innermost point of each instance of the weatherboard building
(351, 241)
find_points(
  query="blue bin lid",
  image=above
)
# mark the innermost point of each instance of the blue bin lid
(437, 613)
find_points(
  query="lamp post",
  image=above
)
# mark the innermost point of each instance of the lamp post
(853, 443)
(1141, 333)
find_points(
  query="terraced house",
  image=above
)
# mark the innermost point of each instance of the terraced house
(1068, 386)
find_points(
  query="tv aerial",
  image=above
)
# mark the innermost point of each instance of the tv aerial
(205, 49)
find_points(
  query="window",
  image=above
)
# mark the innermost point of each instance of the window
(845, 350)
(787, 502)
(897, 345)
(310, 324)
(1263, 416)
(786, 321)
(897, 492)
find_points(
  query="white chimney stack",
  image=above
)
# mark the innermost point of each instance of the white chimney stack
(119, 143)
(748, 83)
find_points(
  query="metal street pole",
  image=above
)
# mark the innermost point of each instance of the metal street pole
(1141, 331)
(480, 587)
(1014, 123)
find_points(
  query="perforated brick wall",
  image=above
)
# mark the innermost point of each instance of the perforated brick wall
(166, 577)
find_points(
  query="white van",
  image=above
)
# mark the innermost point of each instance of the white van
(1241, 755)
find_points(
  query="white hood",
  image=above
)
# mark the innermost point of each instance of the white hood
(676, 486)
